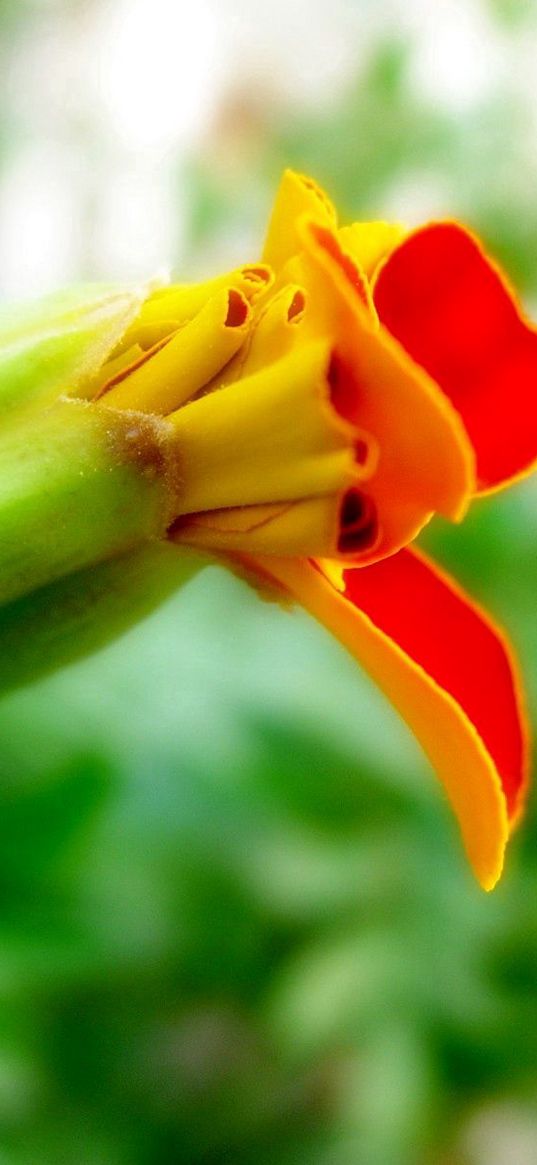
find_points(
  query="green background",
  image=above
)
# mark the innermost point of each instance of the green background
(236, 922)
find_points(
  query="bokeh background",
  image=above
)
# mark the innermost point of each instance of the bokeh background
(236, 923)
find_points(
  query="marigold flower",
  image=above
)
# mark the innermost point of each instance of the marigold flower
(302, 419)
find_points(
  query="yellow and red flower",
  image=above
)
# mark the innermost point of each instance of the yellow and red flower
(302, 419)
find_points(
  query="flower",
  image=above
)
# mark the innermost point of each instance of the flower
(301, 418)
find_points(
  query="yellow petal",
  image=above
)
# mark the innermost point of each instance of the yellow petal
(181, 302)
(166, 377)
(269, 437)
(110, 370)
(324, 309)
(297, 196)
(325, 525)
(275, 331)
(370, 242)
(147, 335)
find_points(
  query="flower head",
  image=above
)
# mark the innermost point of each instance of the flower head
(302, 418)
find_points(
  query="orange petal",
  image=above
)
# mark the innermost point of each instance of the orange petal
(426, 462)
(449, 673)
(455, 314)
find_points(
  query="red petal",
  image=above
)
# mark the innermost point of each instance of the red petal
(457, 645)
(454, 313)
(446, 669)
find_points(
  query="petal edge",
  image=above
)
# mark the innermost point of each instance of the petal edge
(454, 312)
(444, 729)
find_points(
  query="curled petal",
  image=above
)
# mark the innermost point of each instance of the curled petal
(270, 437)
(169, 308)
(342, 524)
(276, 330)
(297, 196)
(166, 376)
(454, 313)
(426, 462)
(449, 673)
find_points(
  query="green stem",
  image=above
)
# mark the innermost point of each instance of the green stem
(78, 485)
(68, 619)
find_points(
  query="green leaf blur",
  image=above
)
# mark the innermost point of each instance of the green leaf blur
(236, 922)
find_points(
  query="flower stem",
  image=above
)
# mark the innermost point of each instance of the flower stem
(76, 615)
(78, 484)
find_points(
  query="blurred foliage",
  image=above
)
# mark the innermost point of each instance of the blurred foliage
(237, 924)
(512, 12)
(384, 140)
(386, 135)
